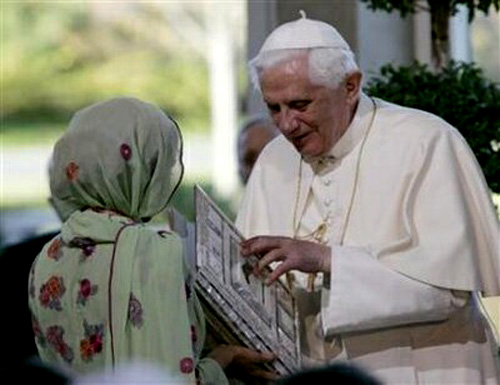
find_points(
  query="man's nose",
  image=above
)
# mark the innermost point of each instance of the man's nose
(288, 122)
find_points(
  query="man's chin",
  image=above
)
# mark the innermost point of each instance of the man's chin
(308, 152)
(309, 148)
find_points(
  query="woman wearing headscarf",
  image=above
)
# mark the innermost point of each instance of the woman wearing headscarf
(109, 289)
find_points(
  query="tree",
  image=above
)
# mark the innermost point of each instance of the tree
(460, 94)
(441, 11)
(57, 58)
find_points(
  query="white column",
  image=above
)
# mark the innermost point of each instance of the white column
(422, 37)
(261, 21)
(223, 97)
(382, 38)
(460, 44)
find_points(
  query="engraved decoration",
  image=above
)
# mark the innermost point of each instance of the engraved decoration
(249, 312)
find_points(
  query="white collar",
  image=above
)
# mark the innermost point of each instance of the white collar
(356, 130)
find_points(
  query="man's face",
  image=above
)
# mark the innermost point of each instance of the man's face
(311, 117)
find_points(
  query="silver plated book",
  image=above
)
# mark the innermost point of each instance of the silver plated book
(238, 304)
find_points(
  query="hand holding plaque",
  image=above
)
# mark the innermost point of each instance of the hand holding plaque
(241, 305)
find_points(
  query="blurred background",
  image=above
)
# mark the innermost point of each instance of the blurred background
(59, 57)
(189, 57)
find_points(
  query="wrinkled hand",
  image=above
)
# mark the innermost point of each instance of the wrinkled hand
(305, 256)
(241, 359)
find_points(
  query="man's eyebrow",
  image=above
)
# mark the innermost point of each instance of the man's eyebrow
(270, 104)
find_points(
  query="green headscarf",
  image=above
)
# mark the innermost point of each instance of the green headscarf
(110, 289)
(123, 155)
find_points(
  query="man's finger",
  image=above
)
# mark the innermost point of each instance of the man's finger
(265, 374)
(278, 272)
(261, 357)
(273, 256)
(254, 356)
(261, 244)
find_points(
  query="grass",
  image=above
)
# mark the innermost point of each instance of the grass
(183, 199)
(29, 134)
(17, 191)
(47, 133)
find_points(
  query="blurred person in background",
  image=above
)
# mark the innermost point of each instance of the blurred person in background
(109, 288)
(255, 133)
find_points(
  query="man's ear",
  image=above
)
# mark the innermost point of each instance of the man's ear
(352, 86)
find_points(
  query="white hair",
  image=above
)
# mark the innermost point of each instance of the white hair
(327, 66)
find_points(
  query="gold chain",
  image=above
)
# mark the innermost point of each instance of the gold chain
(319, 235)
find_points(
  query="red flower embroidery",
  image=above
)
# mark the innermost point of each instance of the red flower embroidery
(54, 251)
(92, 344)
(51, 292)
(86, 290)
(186, 365)
(87, 245)
(72, 171)
(37, 331)
(125, 151)
(85, 350)
(85, 287)
(55, 336)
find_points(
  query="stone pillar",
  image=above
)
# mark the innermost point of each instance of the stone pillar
(382, 38)
(261, 21)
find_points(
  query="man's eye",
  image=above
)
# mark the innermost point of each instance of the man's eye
(273, 107)
(300, 105)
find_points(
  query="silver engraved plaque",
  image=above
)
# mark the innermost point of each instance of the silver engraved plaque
(238, 304)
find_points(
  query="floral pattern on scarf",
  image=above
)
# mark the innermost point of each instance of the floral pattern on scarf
(92, 344)
(54, 250)
(55, 337)
(87, 245)
(135, 312)
(37, 331)
(51, 292)
(86, 290)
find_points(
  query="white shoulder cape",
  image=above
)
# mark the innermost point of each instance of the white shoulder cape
(421, 207)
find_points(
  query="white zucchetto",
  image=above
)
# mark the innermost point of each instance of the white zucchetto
(304, 33)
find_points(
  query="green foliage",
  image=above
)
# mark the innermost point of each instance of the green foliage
(405, 7)
(460, 94)
(23, 134)
(183, 200)
(57, 58)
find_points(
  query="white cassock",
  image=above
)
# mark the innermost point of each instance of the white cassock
(414, 238)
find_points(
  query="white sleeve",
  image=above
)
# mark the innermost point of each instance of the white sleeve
(364, 294)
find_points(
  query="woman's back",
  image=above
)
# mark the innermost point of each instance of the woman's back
(108, 290)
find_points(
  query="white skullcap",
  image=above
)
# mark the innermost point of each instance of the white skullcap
(304, 33)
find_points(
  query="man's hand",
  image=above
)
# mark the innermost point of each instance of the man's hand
(243, 360)
(305, 256)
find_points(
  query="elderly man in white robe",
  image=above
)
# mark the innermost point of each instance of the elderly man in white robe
(378, 216)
